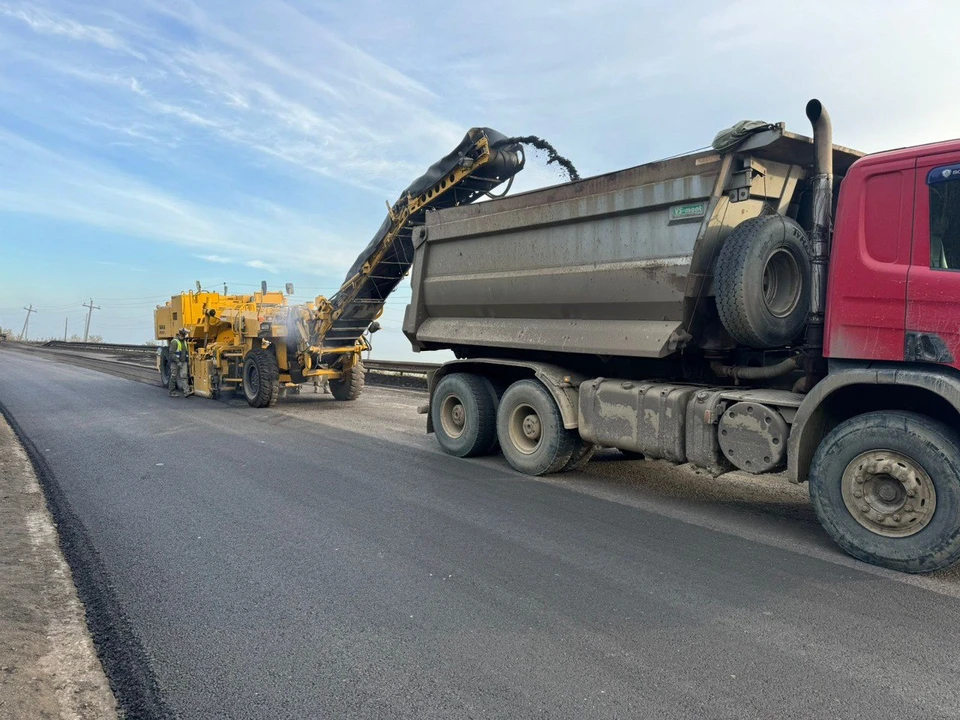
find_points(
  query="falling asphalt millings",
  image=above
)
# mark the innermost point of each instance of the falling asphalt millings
(552, 155)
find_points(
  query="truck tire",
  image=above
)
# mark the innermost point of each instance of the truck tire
(582, 455)
(349, 387)
(464, 415)
(164, 368)
(762, 282)
(530, 430)
(886, 487)
(261, 379)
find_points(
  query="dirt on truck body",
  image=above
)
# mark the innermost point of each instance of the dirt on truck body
(704, 310)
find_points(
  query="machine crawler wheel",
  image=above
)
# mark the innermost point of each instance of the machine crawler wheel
(350, 385)
(261, 379)
(886, 487)
(464, 415)
(530, 430)
(762, 282)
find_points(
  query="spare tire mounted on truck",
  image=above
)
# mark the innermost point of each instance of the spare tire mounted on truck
(762, 282)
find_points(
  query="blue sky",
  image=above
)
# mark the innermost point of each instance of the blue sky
(146, 145)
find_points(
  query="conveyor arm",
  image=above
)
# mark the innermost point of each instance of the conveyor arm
(484, 160)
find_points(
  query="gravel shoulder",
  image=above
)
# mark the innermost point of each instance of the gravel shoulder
(48, 665)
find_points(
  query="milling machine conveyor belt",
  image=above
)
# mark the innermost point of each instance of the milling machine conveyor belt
(481, 162)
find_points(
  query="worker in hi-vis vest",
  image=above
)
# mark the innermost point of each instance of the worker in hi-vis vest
(179, 360)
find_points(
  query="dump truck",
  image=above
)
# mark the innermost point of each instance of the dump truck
(260, 344)
(774, 304)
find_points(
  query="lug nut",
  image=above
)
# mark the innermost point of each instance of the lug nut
(858, 494)
(865, 509)
(908, 508)
(896, 518)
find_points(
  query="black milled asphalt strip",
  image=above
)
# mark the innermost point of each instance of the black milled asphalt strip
(124, 661)
(278, 568)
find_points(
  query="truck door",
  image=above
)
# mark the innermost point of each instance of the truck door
(870, 260)
(933, 287)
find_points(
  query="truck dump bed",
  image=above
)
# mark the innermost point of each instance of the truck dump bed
(609, 265)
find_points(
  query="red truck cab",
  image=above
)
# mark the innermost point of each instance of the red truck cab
(893, 291)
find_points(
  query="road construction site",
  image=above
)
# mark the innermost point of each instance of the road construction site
(690, 459)
(326, 558)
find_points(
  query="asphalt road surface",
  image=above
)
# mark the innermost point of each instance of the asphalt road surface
(325, 560)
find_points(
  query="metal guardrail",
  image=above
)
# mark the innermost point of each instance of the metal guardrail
(398, 367)
(101, 347)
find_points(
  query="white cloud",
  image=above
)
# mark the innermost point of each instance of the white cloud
(224, 260)
(260, 265)
(184, 114)
(50, 184)
(306, 101)
(49, 23)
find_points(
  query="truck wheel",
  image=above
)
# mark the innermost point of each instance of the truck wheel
(762, 282)
(530, 430)
(464, 415)
(350, 386)
(582, 455)
(886, 487)
(164, 368)
(261, 379)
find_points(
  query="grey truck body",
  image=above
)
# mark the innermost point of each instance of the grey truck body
(612, 265)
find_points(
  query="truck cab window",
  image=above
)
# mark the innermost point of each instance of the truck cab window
(945, 218)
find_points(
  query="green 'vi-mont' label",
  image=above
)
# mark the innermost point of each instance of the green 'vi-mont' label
(688, 211)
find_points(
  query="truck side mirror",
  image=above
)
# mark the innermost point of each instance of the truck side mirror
(289, 288)
(374, 327)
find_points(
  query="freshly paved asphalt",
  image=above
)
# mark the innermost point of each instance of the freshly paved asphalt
(273, 568)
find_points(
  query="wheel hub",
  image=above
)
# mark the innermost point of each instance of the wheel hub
(889, 493)
(525, 429)
(453, 416)
(531, 427)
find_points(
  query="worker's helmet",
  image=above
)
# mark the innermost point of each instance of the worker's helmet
(182, 332)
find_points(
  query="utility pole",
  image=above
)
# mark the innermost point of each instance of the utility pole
(86, 329)
(65, 329)
(26, 322)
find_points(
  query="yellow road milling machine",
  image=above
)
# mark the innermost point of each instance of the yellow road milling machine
(259, 343)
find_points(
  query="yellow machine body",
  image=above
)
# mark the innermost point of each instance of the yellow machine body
(260, 343)
(223, 331)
